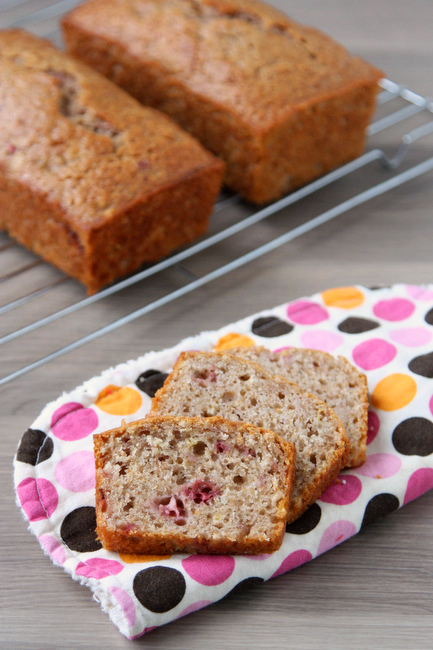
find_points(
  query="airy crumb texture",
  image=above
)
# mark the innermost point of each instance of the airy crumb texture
(90, 179)
(210, 383)
(195, 485)
(336, 381)
(279, 102)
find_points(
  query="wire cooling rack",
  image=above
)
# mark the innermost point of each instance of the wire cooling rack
(399, 150)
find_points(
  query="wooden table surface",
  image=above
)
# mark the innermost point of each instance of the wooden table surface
(375, 590)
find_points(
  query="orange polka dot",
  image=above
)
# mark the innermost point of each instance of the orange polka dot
(119, 401)
(344, 297)
(233, 340)
(131, 558)
(394, 392)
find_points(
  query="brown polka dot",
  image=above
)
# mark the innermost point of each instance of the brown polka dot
(423, 365)
(306, 522)
(35, 447)
(357, 325)
(159, 588)
(429, 317)
(245, 585)
(78, 530)
(270, 326)
(414, 437)
(150, 381)
(378, 507)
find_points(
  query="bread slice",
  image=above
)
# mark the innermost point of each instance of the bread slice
(197, 485)
(211, 383)
(336, 381)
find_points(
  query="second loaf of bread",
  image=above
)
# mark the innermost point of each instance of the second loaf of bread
(281, 103)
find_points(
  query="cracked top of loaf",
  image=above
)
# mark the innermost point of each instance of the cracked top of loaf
(75, 137)
(240, 53)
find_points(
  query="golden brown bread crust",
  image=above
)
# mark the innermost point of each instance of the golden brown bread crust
(281, 103)
(180, 392)
(128, 540)
(121, 542)
(91, 180)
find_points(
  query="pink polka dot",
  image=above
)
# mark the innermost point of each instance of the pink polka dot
(292, 561)
(373, 354)
(336, 533)
(75, 424)
(126, 603)
(96, 567)
(209, 570)
(322, 340)
(380, 466)
(394, 309)
(261, 557)
(194, 607)
(345, 490)
(372, 427)
(39, 499)
(63, 410)
(53, 548)
(306, 312)
(411, 337)
(421, 481)
(419, 293)
(431, 405)
(77, 471)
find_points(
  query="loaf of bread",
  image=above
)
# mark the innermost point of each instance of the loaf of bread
(195, 485)
(281, 103)
(204, 384)
(336, 381)
(90, 179)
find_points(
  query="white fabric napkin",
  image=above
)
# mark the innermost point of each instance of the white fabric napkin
(386, 332)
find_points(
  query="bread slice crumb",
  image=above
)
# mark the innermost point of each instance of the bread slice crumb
(169, 484)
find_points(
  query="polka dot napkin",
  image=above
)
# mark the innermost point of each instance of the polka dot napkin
(386, 332)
